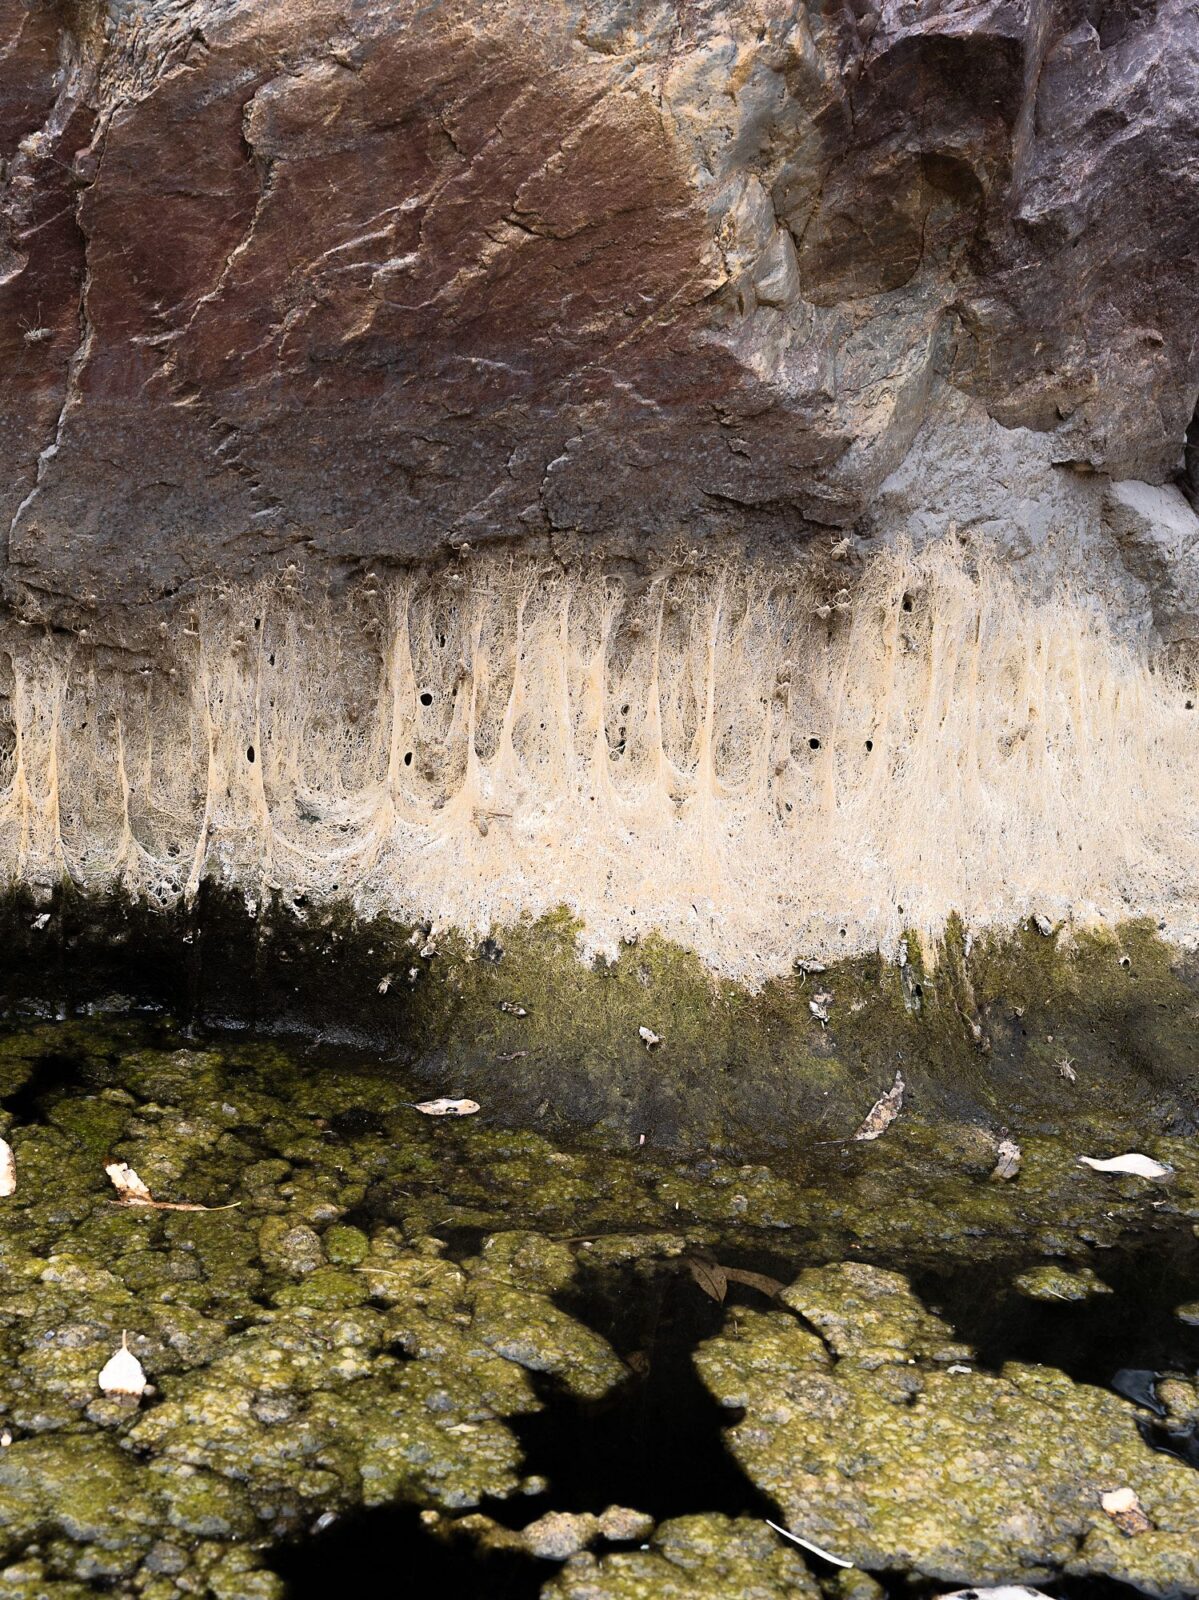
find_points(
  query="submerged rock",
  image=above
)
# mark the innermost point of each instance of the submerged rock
(705, 1557)
(1052, 1282)
(875, 1448)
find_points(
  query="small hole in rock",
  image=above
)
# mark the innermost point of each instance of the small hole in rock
(250, 754)
(407, 758)
(813, 743)
(426, 699)
(870, 744)
(907, 602)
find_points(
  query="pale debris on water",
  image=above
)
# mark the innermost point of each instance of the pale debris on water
(1008, 1164)
(131, 1191)
(1005, 1591)
(1135, 1164)
(651, 1039)
(884, 1111)
(122, 1373)
(1123, 1507)
(446, 1107)
(8, 1170)
(127, 1184)
(806, 1544)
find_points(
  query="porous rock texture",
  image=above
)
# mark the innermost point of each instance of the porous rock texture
(341, 282)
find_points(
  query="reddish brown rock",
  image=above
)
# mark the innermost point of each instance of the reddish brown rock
(344, 281)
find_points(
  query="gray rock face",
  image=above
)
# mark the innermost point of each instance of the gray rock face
(341, 282)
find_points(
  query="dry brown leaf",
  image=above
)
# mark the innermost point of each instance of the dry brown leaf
(883, 1112)
(711, 1278)
(755, 1280)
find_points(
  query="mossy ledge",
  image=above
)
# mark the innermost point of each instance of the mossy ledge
(985, 1030)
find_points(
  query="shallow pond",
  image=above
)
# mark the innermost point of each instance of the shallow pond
(476, 1357)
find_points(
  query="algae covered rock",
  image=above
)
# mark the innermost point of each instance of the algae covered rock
(878, 1446)
(1052, 1282)
(706, 1557)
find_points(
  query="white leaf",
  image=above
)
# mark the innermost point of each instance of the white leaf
(8, 1170)
(1005, 1591)
(1008, 1164)
(122, 1373)
(652, 1040)
(447, 1108)
(127, 1183)
(1138, 1165)
(806, 1544)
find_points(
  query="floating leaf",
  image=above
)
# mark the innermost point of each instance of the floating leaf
(711, 1277)
(446, 1107)
(1008, 1164)
(122, 1373)
(1137, 1165)
(1123, 1507)
(8, 1170)
(883, 1112)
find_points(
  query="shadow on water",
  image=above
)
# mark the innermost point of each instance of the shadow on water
(655, 1445)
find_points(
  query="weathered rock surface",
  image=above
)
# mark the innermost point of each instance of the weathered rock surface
(341, 281)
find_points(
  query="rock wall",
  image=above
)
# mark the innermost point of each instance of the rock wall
(720, 467)
(343, 282)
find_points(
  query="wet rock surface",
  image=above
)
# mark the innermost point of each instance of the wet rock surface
(497, 1331)
(881, 1442)
(611, 271)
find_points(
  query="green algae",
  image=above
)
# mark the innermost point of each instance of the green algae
(391, 1294)
(706, 1557)
(881, 1441)
(1052, 1282)
(987, 1028)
